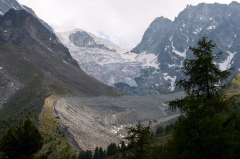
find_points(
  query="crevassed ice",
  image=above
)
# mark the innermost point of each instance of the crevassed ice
(148, 60)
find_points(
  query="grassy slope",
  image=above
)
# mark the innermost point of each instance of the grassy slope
(233, 89)
(29, 101)
(51, 130)
(32, 100)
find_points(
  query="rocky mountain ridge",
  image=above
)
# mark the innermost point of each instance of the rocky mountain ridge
(219, 22)
(6, 5)
(156, 61)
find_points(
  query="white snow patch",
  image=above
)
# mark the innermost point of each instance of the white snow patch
(210, 18)
(182, 54)
(0, 68)
(172, 80)
(166, 48)
(227, 63)
(5, 31)
(197, 30)
(147, 60)
(173, 65)
(211, 27)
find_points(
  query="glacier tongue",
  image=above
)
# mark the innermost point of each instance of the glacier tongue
(106, 66)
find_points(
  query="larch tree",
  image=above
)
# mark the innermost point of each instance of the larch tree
(209, 130)
(139, 141)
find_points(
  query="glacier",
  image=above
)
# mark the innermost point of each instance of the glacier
(104, 64)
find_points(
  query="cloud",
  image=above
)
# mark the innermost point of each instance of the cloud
(121, 21)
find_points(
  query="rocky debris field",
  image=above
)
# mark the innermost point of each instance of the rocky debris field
(9, 85)
(100, 121)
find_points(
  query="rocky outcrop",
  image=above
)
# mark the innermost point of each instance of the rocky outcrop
(154, 35)
(83, 39)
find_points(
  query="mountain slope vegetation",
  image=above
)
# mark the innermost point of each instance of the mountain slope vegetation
(32, 56)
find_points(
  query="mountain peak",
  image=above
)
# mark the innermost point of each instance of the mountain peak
(153, 34)
(19, 15)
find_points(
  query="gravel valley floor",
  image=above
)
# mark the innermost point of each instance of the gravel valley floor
(100, 121)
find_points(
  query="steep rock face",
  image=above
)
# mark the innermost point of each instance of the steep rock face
(217, 21)
(5, 5)
(18, 27)
(83, 39)
(153, 35)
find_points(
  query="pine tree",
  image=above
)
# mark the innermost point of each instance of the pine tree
(209, 130)
(111, 149)
(139, 140)
(82, 155)
(160, 130)
(96, 154)
(22, 142)
(88, 154)
(101, 153)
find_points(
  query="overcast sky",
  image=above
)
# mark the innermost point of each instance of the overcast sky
(121, 21)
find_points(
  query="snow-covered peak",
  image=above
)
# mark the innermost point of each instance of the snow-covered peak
(65, 39)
